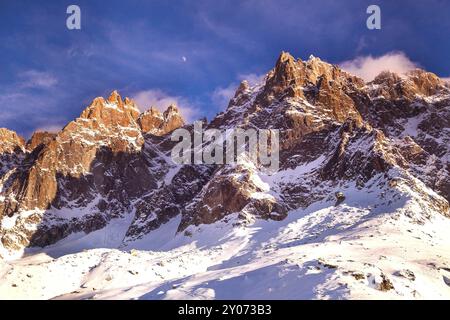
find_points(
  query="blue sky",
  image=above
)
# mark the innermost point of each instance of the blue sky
(193, 52)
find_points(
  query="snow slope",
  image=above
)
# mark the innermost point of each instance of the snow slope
(393, 250)
(359, 208)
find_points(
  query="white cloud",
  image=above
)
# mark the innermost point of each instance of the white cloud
(221, 96)
(252, 78)
(161, 100)
(368, 67)
(37, 79)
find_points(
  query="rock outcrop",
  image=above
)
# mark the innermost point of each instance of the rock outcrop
(12, 149)
(98, 161)
(160, 124)
(39, 139)
(336, 132)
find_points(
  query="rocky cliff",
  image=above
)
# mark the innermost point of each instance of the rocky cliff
(336, 131)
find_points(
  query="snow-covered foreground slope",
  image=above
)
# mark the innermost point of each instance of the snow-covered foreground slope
(394, 250)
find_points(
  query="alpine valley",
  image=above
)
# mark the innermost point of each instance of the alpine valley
(359, 208)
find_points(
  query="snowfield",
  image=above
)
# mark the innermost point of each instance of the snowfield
(365, 165)
(396, 250)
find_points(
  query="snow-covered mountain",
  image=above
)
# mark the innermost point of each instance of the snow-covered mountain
(358, 209)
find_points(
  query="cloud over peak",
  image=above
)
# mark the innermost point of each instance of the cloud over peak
(368, 67)
(161, 100)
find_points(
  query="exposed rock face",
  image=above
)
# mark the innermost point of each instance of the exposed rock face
(233, 190)
(299, 97)
(413, 111)
(151, 120)
(336, 131)
(39, 139)
(12, 148)
(319, 83)
(98, 160)
(416, 82)
(159, 124)
(10, 141)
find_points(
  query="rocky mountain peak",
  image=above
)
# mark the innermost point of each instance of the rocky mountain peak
(39, 138)
(407, 86)
(112, 111)
(171, 111)
(285, 58)
(115, 98)
(10, 141)
(303, 95)
(426, 83)
(114, 161)
(156, 123)
(130, 103)
(286, 71)
(242, 94)
(154, 112)
(12, 149)
(243, 86)
(294, 77)
(386, 77)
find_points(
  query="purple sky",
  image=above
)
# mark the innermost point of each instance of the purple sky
(193, 52)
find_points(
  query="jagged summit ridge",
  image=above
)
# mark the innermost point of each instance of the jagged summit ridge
(336, 131)
(85, 164)
(116, 111)
(10, 141)
(160, 123)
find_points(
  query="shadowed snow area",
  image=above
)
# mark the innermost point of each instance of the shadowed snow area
(359, 207)
(322, 252)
